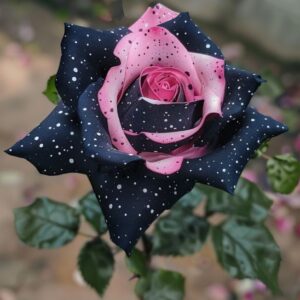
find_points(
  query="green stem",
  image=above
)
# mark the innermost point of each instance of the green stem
(116, 250)
(147, 247)
(87, 235)
(265, 156)
(208, 214)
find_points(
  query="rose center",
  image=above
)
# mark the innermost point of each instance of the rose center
(164, 84)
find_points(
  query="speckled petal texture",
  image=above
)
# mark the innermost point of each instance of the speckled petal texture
(147, 112)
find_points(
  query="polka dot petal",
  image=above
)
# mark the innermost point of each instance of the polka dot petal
(141, 197)
(56, 151)
(87, 54)
(234, 147)
(153, 16)
(191, 36)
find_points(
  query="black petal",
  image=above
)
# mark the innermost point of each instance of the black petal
(133, 198)
(97, 143)
(55, 146)
(191, 36)
(132, 94)
(236, 144)
(142, 143)
(240, 87)
(68, 141)
(87, 54)
(148, 117)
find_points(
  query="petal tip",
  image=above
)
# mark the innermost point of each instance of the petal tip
(126, 247)
(9, 151)
(14, 151)
(285, 128)
(260, 79)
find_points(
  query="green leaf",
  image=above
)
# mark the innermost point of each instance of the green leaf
(177, 234)
(247, 250)
(92, 212)
(248, 201)
(283, 173)
(262, 149)
(142, 286)
(46, 223)
(137, 263)
(51, 92)
(96, 264)
(189, 201)
(162, 285)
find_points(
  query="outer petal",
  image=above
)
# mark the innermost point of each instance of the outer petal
(87, 54)
(235, 137)
(240, 87)
(191, 36)
(153, 16)
(55, 146)
(68, 141)
(133, 199)
(235, 146)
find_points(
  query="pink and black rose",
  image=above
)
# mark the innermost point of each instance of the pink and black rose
(146, 112)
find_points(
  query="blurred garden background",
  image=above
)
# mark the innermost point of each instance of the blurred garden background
(260, 35)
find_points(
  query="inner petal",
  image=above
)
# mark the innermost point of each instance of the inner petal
(137, 51)
(159, 88)
(165, 84)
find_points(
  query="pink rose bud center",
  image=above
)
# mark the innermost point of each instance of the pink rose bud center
(165, 84)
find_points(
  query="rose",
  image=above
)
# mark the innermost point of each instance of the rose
(145, 113)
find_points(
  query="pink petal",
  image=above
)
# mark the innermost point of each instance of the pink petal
(165, 166)
(190, 152)
(211, 73)
(108, 96)
(168, 164)
(153, 17)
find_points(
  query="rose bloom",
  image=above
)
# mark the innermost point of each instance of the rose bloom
(146, 112)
